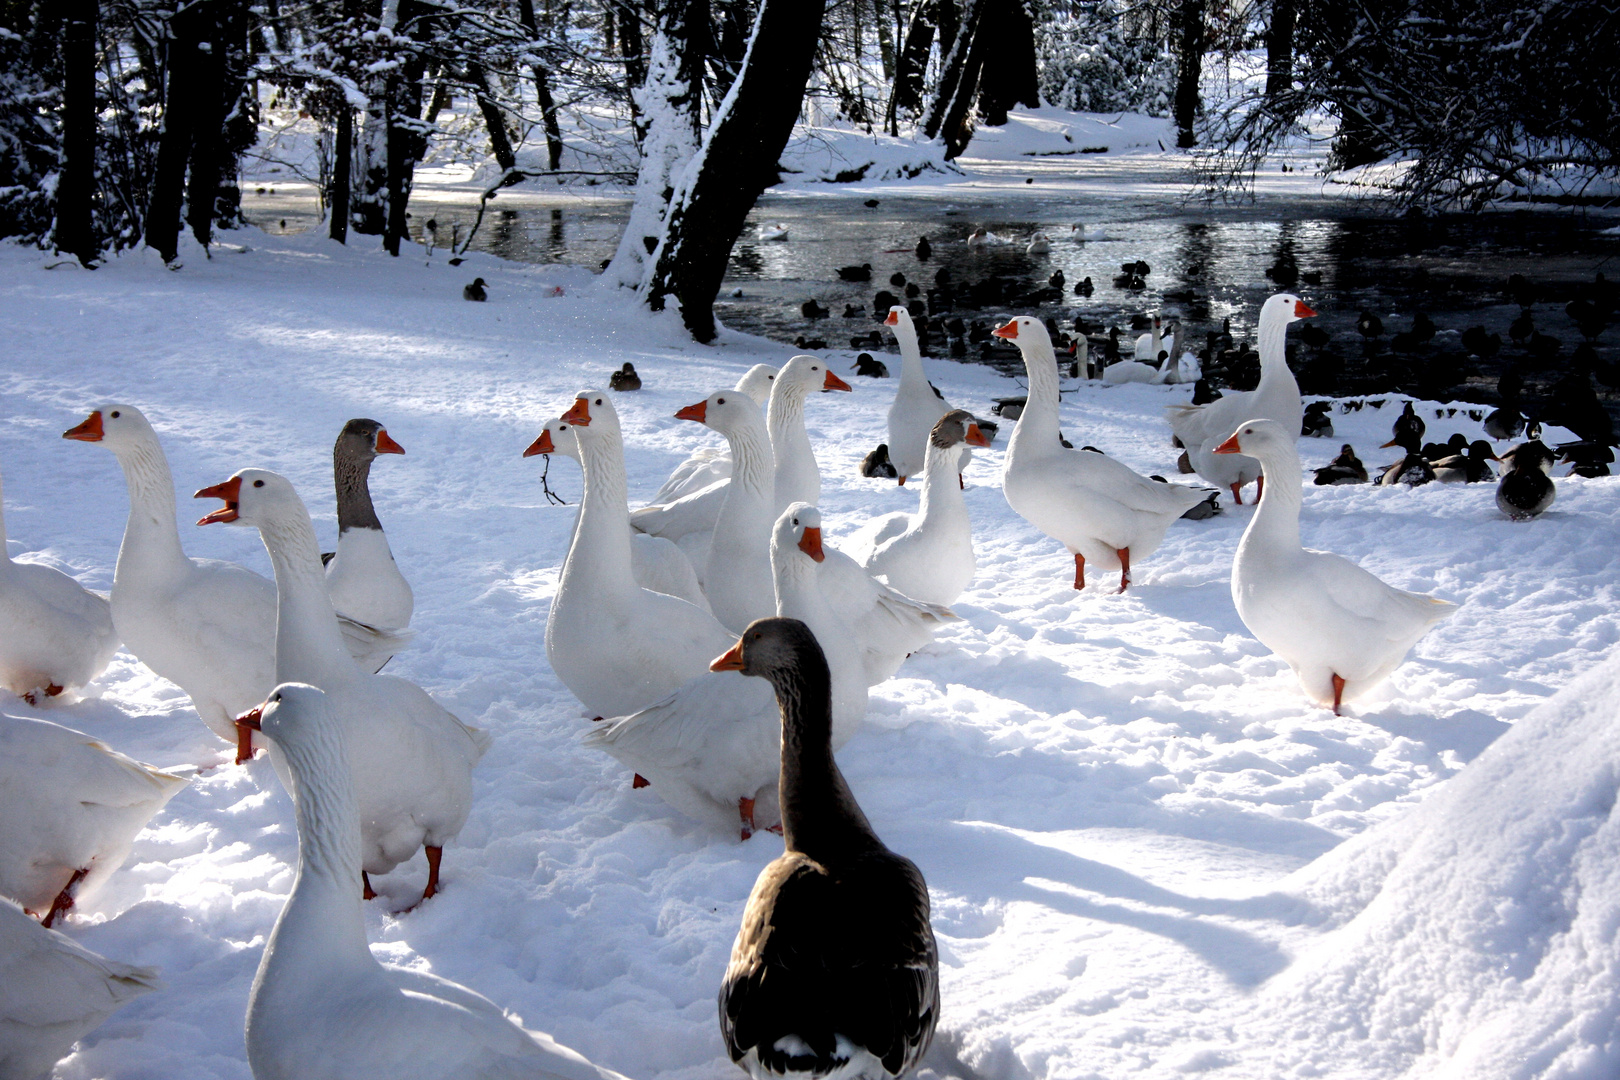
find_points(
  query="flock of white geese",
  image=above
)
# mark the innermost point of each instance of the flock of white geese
(724, 649)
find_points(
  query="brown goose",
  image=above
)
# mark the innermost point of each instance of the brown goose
(835, 971)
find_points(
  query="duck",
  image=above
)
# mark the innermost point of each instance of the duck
(924, 250)
(711, 749)
(72, 807)
(1470, 468)
(56, 636)
(617, 646)
(53, 992)
(1039, 244)
(876, 463)
(475, 291)
(1084, 287)
(917, 407)
(205, 625)
(412, 759)
(321, 1006)
(929, 556)
(1588, 459)
(1317, 422)
(835, 970)
(1095, 506)
(1344, 469)
(773, 233)
(1339, 628)
(809, 344)
(625, 379)
(655, 563)
(810, 309)
(863, 272)
(869, 366)
(1506, 422)
(854, 311)
(362, 577)
(707, 464)
(1526, 489)
(1202, 427)
(1412, 470)
(1409, 422)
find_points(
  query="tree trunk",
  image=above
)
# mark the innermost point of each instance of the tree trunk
(406, 138)
(1009, 74)
(208, 120)
(75, 191)
(342, 157)
(500, 143)
(174, 141)
(542, 91)
(948, 112)
(635, 63)
(1190, 32)
(1280, 48)
(738, 162)
(912, 64)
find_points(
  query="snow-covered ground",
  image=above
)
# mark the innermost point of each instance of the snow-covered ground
(1117, 801)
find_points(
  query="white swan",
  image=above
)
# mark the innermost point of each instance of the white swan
(322, 1007)
(53, 992)
(412, 760)
(362, 577)
(655, 563)
(1150, 344)
(617, 646)
(1201, 428)
(1340, 628)
(917, 407)
(55, 634)
(70, 809)
(708, 464)
(1093, 505)
(205, 625)
(1039, 244)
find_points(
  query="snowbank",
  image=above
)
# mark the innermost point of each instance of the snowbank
(841, 156)
(1047, 132)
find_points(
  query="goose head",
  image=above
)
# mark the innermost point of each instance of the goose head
(726, 411)
(757, 383)
(1285, 308)
(805, 374)
(362, 440)
(557, 437)
(1258, 438)
(774, 649)
(254, 497)
(798, 528)
(119, 427)
(1028, 333)
(296, 716)
(592, 416)
(955, 429)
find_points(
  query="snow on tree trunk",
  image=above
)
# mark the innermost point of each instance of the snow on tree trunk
(75, 192)
(950, 111)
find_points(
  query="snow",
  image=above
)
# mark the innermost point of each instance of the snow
(1117, 801)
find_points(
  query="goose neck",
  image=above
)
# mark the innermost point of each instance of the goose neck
(911, 365)
(351, 475)
(942, 489)
(1275, 524)
(753, 465)
(784, 417)
(151, 535)
(1038, 423)
(1273, 343)
(820, 817)
(309, 645)
(602, 531)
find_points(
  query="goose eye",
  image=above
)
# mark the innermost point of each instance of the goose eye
(275, 697)
(720, 401)
(258, 483)
(115, 414)
(599, 401)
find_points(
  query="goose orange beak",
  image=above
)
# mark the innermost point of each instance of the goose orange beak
(833, 382)
(810, 544)
(1010, 331)
(975, 437)
(231, 492)
(1230, 446)
(579, 413)
(542, 445)
(1301, 311)
(730, 660)
(246, 725)
(89, 431)
(698, 412)
(893, 318)
(385, 445)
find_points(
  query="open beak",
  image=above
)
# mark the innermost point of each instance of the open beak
(893, 318)
(698, 412)
(1230, 446)
(542, 445)
(1301, 311)
(730, 660)
(975, 437)
(246, 725)
(231, 492)
(579, 413)
(810, 544)
(385, 445)
(1010, 331)
(89, 431)
(833, 382)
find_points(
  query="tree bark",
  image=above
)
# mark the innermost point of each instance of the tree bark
(631, 49)
(1009, 75)
(1280, 48)
(207, 121)
(406, 139)
(911, 64)
(174, 141)
(500, 143)
(1190, 32)
(75, 192)
(738, 162)
(342, 157)
(542, 91)
(950, 110)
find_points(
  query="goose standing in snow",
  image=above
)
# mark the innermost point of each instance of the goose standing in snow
(53, 992)
(321, 1006)
(362, 576)
(929, 556)
(71, 808)
(1201, 428)
(917, 408)
(708, 464)
(55, 634)
(711, 749)
(1526, 488)
(412, 761)
(615, 645)
(1340, 628)
(835, 971)
(656, 564)
(208, 626)
(1095, 506)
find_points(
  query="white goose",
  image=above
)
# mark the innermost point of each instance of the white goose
(71, 809)
(887, 625)
(929, 556)
(917, 407)
(412, 760)
(53, 992)
(1340, 628)
(1093, 505)
(362, 577)
(205, 625)
(708, 464)
(616, 646)
(655, 563)
(322, 1007)
(55, 634)
(1201, 428)
(712, 749)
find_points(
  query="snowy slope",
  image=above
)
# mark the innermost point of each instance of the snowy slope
(1107, 794)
